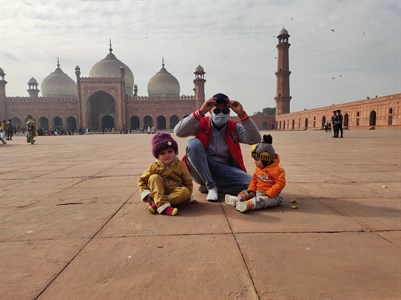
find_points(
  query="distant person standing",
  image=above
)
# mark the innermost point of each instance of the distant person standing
(31, 127)
(10, 130)
(334, 124)
(339, 123)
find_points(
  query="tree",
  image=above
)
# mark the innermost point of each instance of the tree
(267, 111)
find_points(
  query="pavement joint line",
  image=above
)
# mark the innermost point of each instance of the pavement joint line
(80, 250)
(240, 251)
(360, 223)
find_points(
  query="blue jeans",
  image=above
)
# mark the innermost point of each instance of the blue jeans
(210, 173)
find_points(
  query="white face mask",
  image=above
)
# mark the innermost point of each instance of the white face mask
(220, 119)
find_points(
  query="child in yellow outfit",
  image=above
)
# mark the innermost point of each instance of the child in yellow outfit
(166, 183)
(267, 181)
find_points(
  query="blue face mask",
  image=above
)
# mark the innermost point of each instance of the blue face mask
(220, 119)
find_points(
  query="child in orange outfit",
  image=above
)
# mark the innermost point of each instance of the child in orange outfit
(166, 183)
(267, 181)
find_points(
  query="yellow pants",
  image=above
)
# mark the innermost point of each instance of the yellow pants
(162, 193)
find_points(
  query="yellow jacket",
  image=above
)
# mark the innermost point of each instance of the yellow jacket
(174, 175)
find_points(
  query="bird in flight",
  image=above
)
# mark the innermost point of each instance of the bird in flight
(332, 30)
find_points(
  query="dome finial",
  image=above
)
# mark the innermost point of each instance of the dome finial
(110, 49)
(58, 63)
(162, 61)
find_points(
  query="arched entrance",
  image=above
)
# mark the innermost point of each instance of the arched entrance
(71, 123)
(101, 111)
(372, 119)
(173, 121)
(135, 123)
(161, 122)
(43, 123)
(107, 122)
(57, 123)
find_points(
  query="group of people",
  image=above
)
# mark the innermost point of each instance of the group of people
(7, 130)
(213, 159)
(337, 123)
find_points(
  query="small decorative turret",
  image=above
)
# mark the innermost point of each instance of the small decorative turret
(77, 71)
(33, 88)
(135, 90)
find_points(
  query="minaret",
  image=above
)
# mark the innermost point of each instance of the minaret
(199, 89)
(283, 97)
(3, 104)
(33, 88)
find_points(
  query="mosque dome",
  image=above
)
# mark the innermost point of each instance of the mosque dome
(110, 67)
(163, 84)
(58, 84)
(2, 72)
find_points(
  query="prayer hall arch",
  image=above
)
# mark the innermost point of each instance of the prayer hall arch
(71, 123)
(135, 123)
(43, 122)
(57, 123)
(101, 110)
(161, 122)
(173, 121)
(107, 121)
(147, 122)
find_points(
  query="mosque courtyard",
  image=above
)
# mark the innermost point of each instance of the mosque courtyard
(73, 225)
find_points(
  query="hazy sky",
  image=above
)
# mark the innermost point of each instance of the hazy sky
(341, 51)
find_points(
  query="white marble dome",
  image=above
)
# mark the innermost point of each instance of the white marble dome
(58, 84)
(163, 84)
(110, 67)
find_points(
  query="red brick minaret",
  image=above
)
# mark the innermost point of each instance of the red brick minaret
(283, 97)
(199, 89)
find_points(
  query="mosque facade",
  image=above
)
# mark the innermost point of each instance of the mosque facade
(107, 99)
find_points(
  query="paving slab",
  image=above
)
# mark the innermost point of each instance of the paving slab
(27, 267)
(285, 219)
(54, 222)
(322, 266)
(72, 225)
(372, 214)
(159, 267)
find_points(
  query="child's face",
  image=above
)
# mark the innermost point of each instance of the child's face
(259, 163)
(167, 156)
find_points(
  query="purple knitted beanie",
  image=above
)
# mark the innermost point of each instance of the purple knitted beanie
(162, 140)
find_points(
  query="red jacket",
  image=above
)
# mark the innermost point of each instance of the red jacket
(231, 138)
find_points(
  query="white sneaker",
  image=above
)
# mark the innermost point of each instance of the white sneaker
(230, 200)
(213, 195)
(241, 206)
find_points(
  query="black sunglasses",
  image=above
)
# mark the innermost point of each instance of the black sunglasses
(225, 110)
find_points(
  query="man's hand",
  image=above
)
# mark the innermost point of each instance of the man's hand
(207, 106)
(237, 107)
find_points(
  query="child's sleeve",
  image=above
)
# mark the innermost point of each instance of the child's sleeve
(279, 183)
(253, 182)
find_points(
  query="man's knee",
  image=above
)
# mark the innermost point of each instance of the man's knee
(194, 145)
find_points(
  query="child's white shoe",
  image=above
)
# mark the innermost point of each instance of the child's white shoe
(242, 206)
(230, 200)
